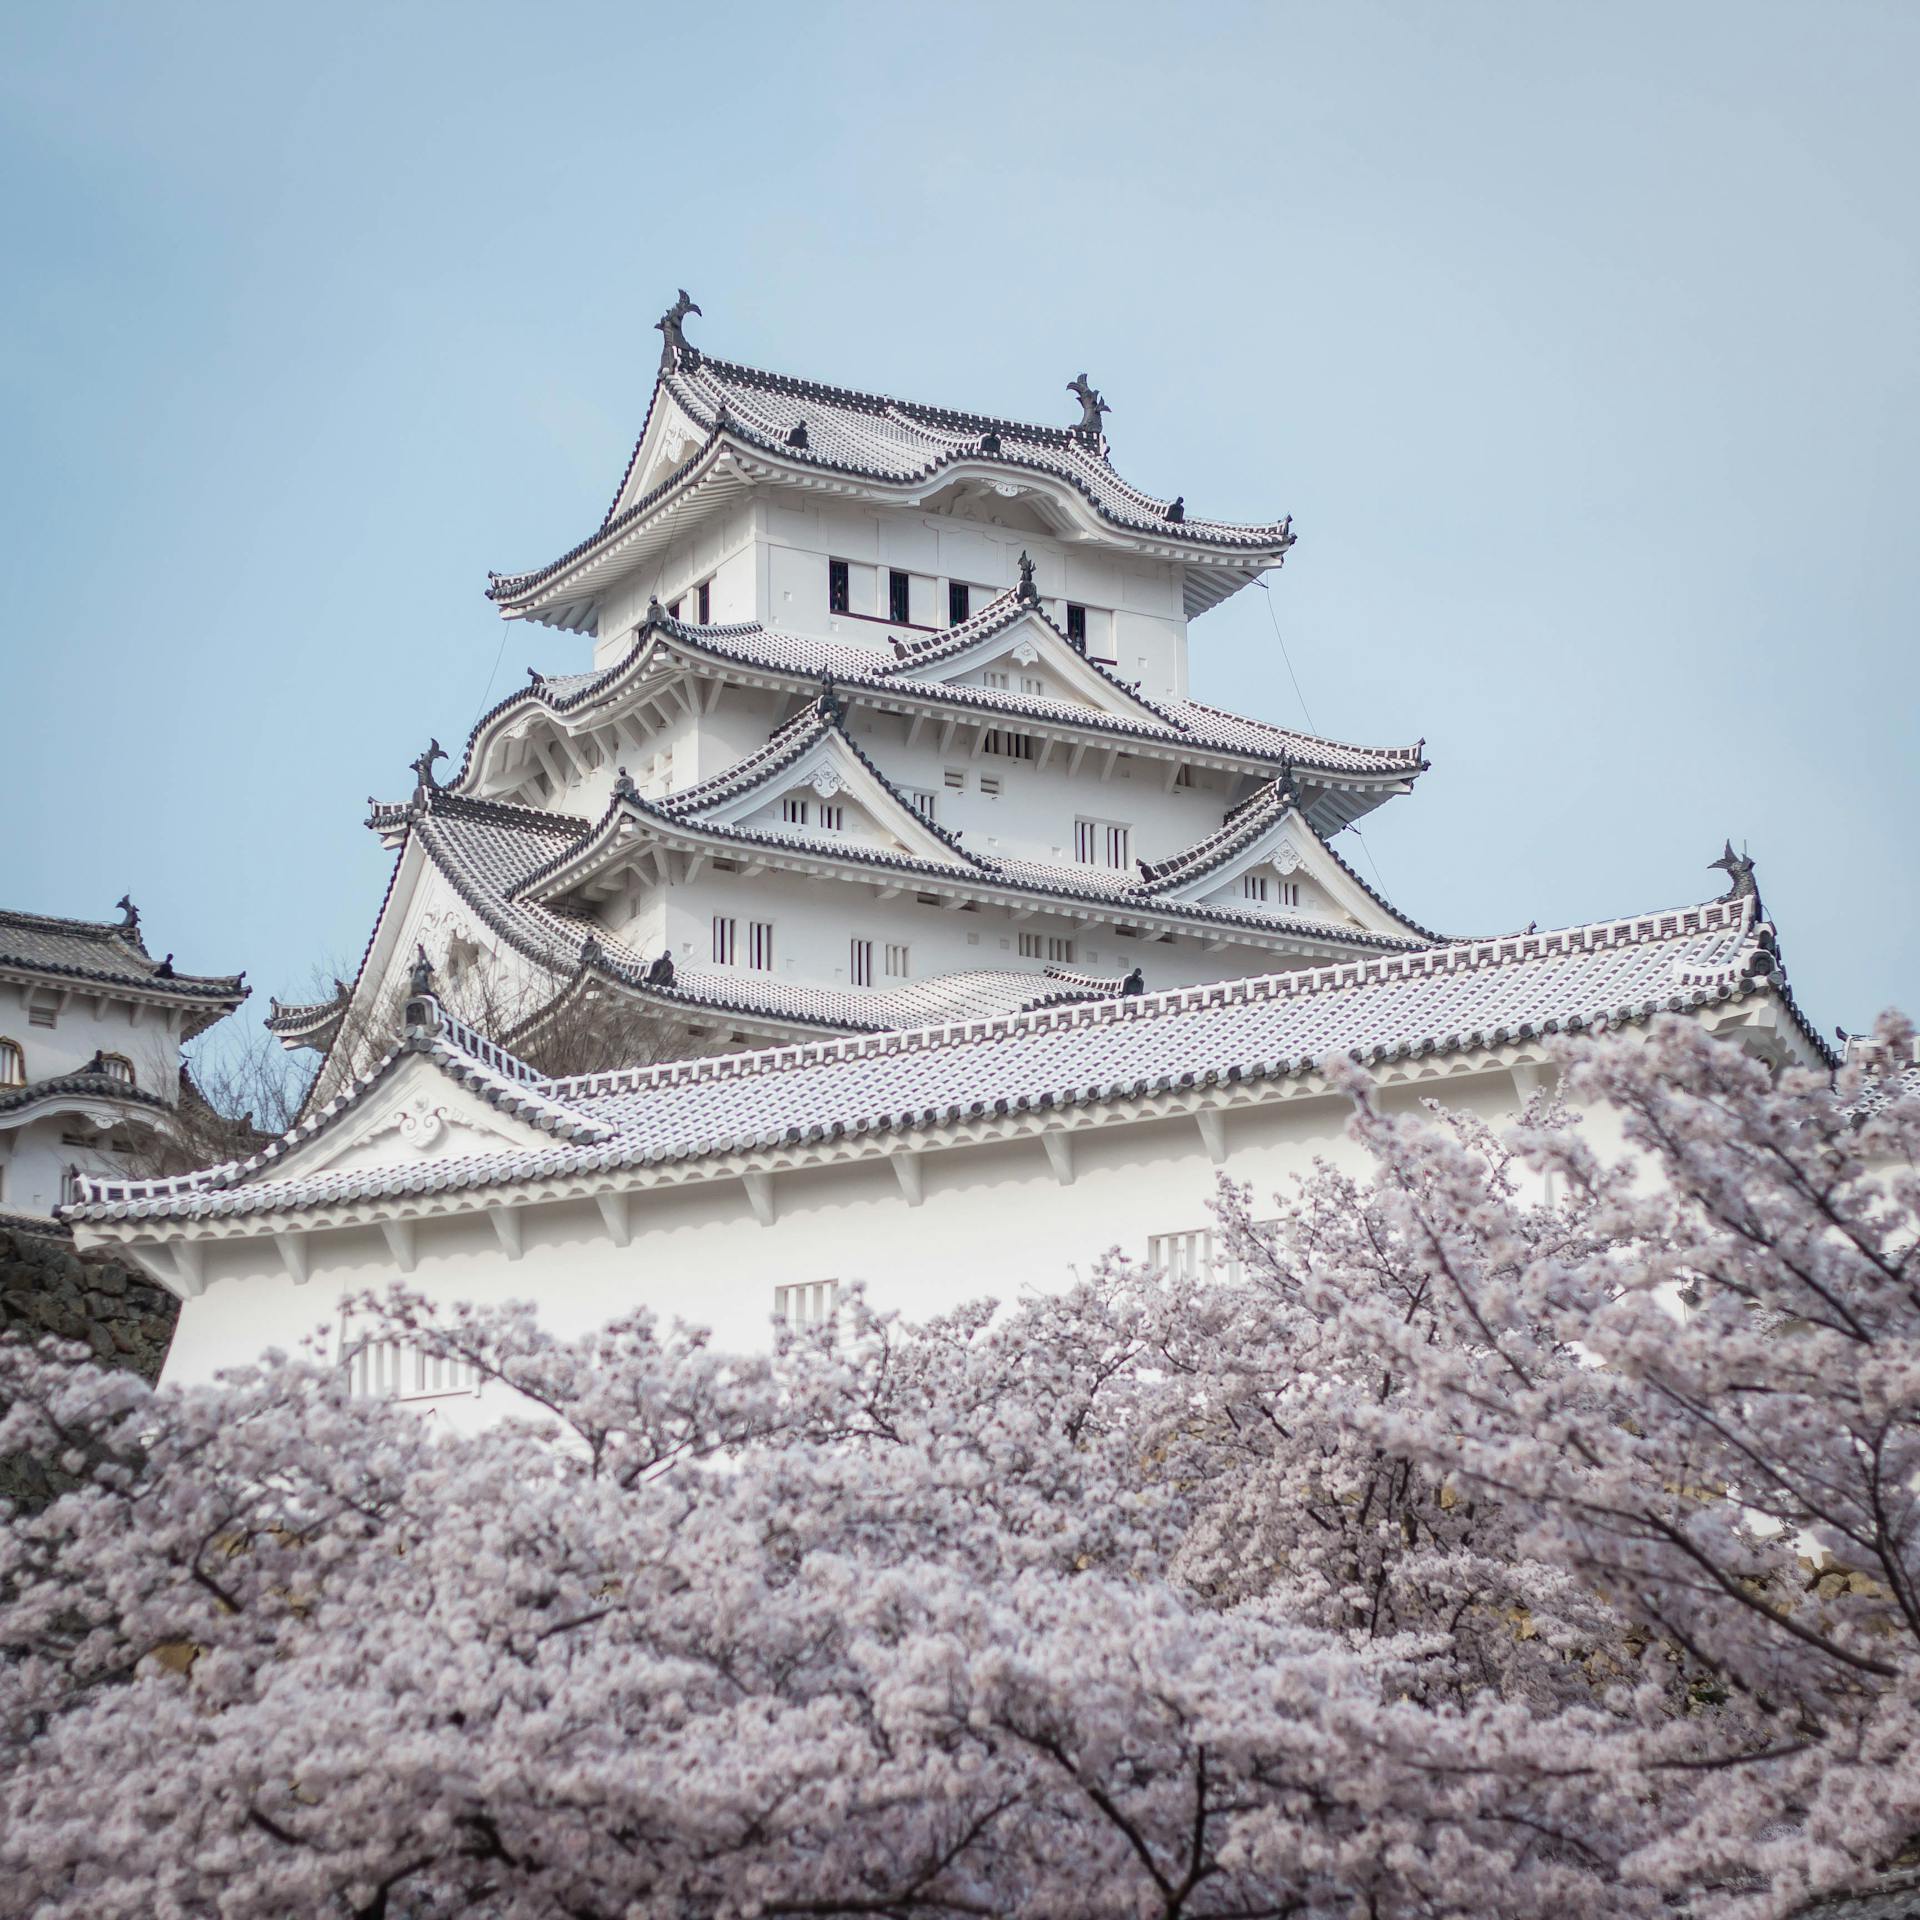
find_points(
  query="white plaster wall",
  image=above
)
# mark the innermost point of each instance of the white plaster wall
(815, 922)
(86, 1024)
(994, 1221)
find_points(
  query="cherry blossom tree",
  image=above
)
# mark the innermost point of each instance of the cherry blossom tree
(1460, 1551)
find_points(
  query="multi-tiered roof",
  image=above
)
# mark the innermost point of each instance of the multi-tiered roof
(540, 827)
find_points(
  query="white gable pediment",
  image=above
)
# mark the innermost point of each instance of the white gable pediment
(671, 440)
(838, 796)
(1030, 649)
(417, 1113)
(1288, 871)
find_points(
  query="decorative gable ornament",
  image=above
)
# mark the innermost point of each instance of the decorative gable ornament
(826, 782)
(419, 1124)
(1287, 858)
(1026, 653)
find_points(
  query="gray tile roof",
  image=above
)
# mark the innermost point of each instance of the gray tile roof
(1436, 1001)
(892, 442)
(66, 953)
(876, 668)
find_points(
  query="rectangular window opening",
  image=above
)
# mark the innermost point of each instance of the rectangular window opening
(899, 598)
(1077, 626)
(760, 945)
(922, 802)
(723, 932)
(794, 812)
(704, 600)
(834, 819)
(838, 600)
(860, 963)
(813, 1303)
(896, 960)
(959, 601)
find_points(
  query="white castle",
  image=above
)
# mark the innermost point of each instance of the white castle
(885, 795)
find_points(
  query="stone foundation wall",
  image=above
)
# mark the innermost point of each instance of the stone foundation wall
(46, 1287)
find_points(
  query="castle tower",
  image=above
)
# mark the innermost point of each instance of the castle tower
(887, 725)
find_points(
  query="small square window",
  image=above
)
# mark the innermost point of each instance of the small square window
(956, 783)
(990, 785)
(838, 600)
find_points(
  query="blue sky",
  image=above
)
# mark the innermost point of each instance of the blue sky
(1581, 343)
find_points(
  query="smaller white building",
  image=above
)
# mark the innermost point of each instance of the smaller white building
(91, 1028)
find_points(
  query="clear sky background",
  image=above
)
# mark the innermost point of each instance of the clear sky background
(1581, 341)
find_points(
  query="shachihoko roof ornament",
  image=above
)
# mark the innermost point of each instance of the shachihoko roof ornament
(1092, 406)
(1739, 871)
(423, 781)
(676, 351)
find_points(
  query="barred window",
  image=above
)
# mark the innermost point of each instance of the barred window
(760, 945)
(896, 960)
(958, 601)
(116, 1066)
(794, 812)
(812, 1303)
(838, 598)
(723, 932)
(860, 963)
(13, 1064)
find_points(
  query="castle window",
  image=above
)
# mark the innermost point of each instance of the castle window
(1254, 886)
(116, 1066)
(43, 1016)
(956, 780)
(1059, 951)
(834, 819)
(1289, 893)
(899, 598)
(1029, 946)
(704, 600)
(1009, 746)
(838, 597)
(990, 786)
(860, 963)
(922, 802)
(1077, 626)
(1029, 684)
(794, 812)
(760, 945)
(993, 680)
(387, 1368)
(723, 932)
(896, 960)
(13, 1064)
(673, 612)
(959, 599)
(811, 1304)
(1102, 843)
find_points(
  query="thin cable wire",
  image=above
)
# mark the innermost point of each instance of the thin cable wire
(499, 654)
(1312, 727)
